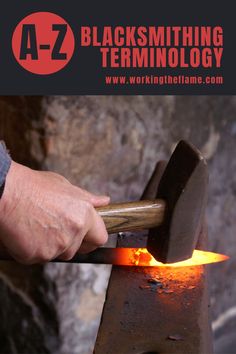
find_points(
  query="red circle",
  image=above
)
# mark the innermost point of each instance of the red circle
(45, 35)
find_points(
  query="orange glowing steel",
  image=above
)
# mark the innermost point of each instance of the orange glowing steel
(141, 257)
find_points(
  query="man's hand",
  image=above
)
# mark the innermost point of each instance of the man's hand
(43, 216)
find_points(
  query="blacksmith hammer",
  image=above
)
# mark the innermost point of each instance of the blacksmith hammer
(175, 217)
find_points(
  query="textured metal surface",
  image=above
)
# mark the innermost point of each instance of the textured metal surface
(149, 310)
(184, 188)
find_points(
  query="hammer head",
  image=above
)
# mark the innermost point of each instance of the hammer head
(183, 185)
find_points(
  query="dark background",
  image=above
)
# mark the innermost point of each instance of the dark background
(84, 75)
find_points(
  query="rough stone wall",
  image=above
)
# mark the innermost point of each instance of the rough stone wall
(109, 144)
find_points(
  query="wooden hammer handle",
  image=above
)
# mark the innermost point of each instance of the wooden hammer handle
(133, 216)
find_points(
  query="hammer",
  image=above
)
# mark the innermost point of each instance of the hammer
(174, 218)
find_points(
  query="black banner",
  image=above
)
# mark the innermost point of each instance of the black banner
(124, 47)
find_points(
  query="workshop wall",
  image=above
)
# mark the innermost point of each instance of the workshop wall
(109, 144)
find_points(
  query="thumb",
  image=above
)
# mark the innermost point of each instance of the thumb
(95, 200)
(99, 200)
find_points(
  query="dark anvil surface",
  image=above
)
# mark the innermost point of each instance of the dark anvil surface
(143, 317)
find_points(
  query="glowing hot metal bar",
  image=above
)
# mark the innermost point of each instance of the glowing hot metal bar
(136, 257)
(141, 257)
(144, 258)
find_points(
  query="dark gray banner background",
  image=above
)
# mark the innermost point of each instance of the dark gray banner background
(84, 74)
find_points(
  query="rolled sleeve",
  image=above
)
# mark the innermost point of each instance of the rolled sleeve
(5, 163)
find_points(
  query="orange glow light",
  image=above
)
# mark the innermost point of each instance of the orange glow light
(141, 257)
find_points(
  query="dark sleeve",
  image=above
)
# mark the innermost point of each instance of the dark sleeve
(5, 162)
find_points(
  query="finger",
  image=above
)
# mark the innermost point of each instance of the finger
(73, 246)
(100, 200)
(95, 200)
(69, 253)
(97, 233)
(93, 235)
(86, 247)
